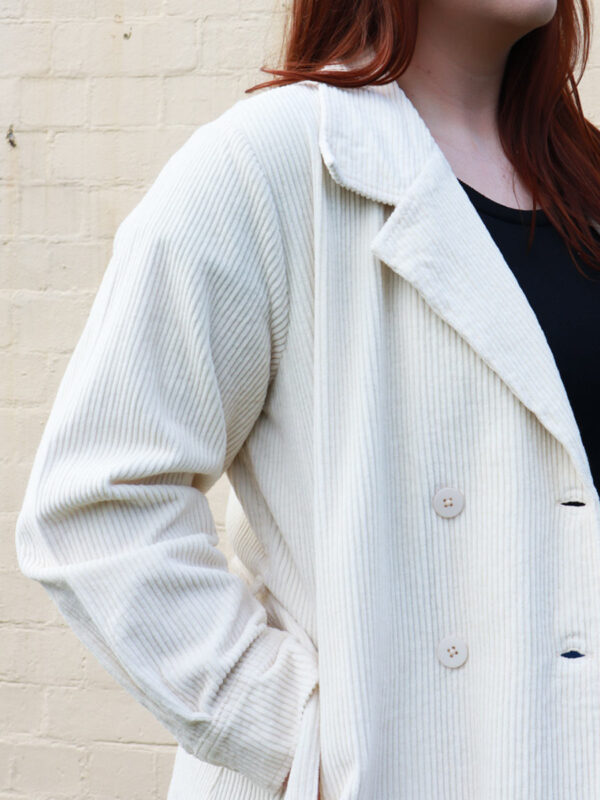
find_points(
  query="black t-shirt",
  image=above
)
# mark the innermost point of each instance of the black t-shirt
(566, 304)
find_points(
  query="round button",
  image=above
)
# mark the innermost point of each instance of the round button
(452, 651)
(448, 501)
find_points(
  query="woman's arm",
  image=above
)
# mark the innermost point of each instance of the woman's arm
(163, 387)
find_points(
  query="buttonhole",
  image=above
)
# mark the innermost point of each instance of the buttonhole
(573, 503)
(572, 654)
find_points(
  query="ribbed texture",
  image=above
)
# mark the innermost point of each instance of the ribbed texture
(306, 299)
(165, 383)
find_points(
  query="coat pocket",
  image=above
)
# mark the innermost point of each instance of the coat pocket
(303, 781)
(249, 562)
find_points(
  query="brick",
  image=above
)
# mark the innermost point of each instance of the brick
(232, 46)
(268, 8)
(129, 8)
(25, 378)
(217, 497)
(9, 201)
(589, 90)
(78, 266)
(7, 757)
(10, 93)
(52, 210)
(57, 364)
(189, 8)
(42, 656)
(11, 9)
(8, 551)
(67, 265)
(108, 208)
(164, 761)
(25, 48)
(22, 708)
(113, 156)
(24, 600)
(8, 556)
(110, 715)
(35, 315)
(58, 9)
(53, 102)
(10, 421)
(121, 771)
(155, 47)
(126, 102)
(23, 165)
(5, 320)
(193, 101)
(96, 676)
(57, 768)
(13, 480)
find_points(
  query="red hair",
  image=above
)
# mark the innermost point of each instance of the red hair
(554, 149)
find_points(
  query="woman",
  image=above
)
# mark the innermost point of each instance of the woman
(320, 296)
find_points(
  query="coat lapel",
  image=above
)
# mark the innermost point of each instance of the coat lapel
(374, 142)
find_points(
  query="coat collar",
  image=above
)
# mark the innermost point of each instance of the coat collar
(374, 142)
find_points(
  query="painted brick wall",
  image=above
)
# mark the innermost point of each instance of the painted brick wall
(95, 96)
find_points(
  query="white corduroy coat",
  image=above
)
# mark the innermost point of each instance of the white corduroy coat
(306, 300)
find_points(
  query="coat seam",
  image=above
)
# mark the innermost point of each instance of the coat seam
(277, 357)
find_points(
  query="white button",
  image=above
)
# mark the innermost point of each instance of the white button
(452, 651)
(448, 501)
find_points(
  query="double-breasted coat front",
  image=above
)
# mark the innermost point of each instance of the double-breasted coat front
(306, 300)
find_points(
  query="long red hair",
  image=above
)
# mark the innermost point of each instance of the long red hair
(552, 146)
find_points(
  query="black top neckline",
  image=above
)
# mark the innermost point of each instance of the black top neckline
(488, 206)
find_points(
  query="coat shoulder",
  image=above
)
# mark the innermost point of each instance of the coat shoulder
(277, 114)
(281, 126)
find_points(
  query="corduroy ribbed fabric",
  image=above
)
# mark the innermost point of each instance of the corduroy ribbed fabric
(306, 300)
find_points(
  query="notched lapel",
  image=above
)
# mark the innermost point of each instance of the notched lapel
(374, 142)
(436, 239)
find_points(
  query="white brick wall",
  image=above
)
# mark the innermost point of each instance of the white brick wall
(99, 94)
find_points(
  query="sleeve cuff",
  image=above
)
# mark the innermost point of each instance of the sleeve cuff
(256, 727)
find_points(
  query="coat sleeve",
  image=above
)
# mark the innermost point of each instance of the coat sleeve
(163, 387)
